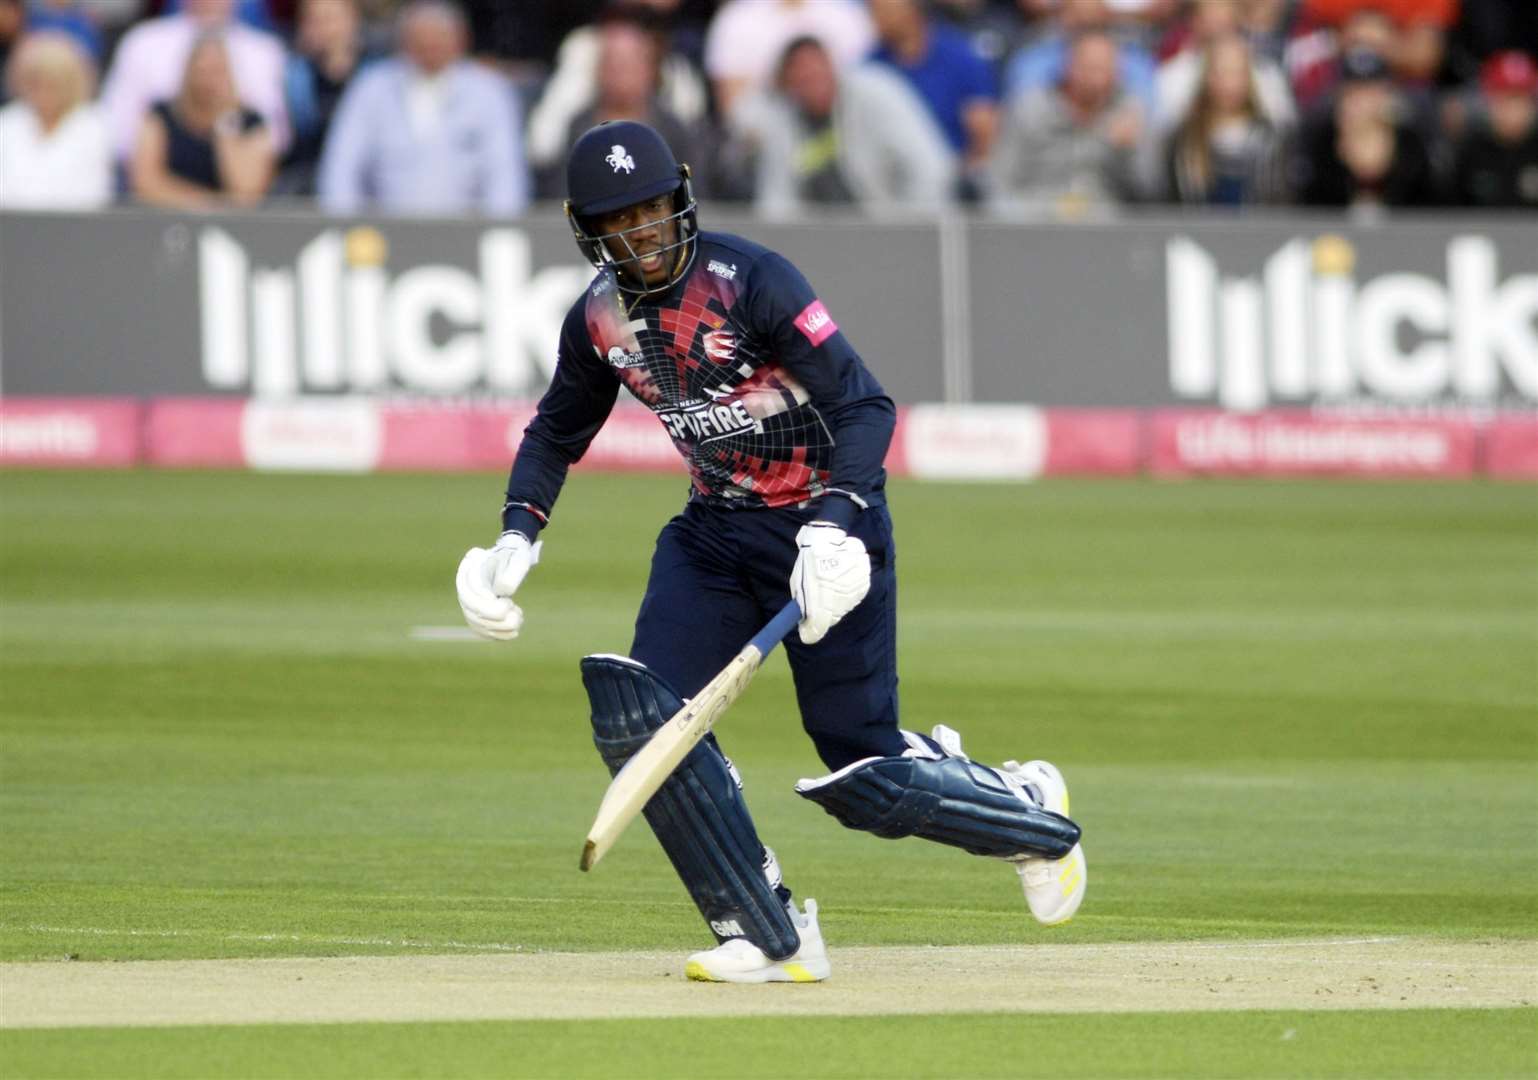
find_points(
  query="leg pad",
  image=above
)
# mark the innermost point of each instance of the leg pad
(698, 815)
(950, 800)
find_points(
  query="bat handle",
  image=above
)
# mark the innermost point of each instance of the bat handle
(767, 638)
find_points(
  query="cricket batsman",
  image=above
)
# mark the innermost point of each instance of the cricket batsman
(784, 431)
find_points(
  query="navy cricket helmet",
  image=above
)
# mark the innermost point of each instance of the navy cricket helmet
(617, 164)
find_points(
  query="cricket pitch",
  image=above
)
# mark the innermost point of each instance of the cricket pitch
(1349, 973)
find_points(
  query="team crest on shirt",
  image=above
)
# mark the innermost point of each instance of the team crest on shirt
(619, 158)
(721, 346)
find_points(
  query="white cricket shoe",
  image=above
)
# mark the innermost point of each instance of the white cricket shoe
(738, 960)
(1054, 888)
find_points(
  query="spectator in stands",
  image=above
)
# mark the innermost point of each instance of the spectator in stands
(427, 132)
(328, 50)
(1079, 144)
(1364, 152)
(153, 55)
(1180, 76)
(1414, 51)
(629, 80)
(573, 86)
(949, 76)
(1497, 159)
(54, 152)
(854, 136)
(203, 148)
(1226, 150)
(1041, 64)
(748, 38)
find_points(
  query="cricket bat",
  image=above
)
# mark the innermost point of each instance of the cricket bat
(645, 772)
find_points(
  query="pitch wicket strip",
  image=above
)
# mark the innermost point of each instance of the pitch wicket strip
(644, 773)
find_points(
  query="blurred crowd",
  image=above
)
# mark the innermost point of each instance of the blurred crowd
(1066, 107)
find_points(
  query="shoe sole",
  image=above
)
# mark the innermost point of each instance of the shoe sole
(786, 973)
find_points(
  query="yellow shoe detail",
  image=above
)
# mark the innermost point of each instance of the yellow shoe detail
(696, 971)
(1071, 877)
(798, 973)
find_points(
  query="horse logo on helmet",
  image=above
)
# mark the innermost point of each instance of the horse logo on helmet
(619, 158)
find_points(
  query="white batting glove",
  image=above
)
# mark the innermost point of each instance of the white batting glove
(487, 579)
(831, 577)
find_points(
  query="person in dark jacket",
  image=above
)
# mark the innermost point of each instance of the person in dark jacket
(1497, 159)
(1363, 150)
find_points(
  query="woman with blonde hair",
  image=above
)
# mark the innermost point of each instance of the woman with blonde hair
(1225, 151)
(203, 148)
(54, 149)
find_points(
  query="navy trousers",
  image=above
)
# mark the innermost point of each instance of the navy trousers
(718, 575)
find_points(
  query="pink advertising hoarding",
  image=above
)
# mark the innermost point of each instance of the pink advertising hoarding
(1511, 448)
(194, 433)
(358, 434)
(1283, 443)
(80, 433)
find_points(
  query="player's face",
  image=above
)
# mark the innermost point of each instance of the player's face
(646, 231)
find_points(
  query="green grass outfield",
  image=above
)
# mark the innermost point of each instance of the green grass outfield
(1420, 1043)
(1286, 710)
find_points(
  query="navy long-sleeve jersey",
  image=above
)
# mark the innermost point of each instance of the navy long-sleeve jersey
(763, 396)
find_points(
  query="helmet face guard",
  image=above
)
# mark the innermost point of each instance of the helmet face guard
(678, 256)
(618, 164)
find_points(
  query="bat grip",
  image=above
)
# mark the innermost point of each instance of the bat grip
(767, 638)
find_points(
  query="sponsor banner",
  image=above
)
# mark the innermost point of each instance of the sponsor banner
(92, 433)
(315, 434)
(1105, 442)
(362, 435)
(282, 306)
(195, 433)
(1309, 324)
(930, 441)
(1297, 443)
(975, 442)
(1511, 448)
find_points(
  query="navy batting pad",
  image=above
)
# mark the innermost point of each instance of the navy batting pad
(699, 814)
(952, 801)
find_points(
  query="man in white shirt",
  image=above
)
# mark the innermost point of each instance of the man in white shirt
(427, 132)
